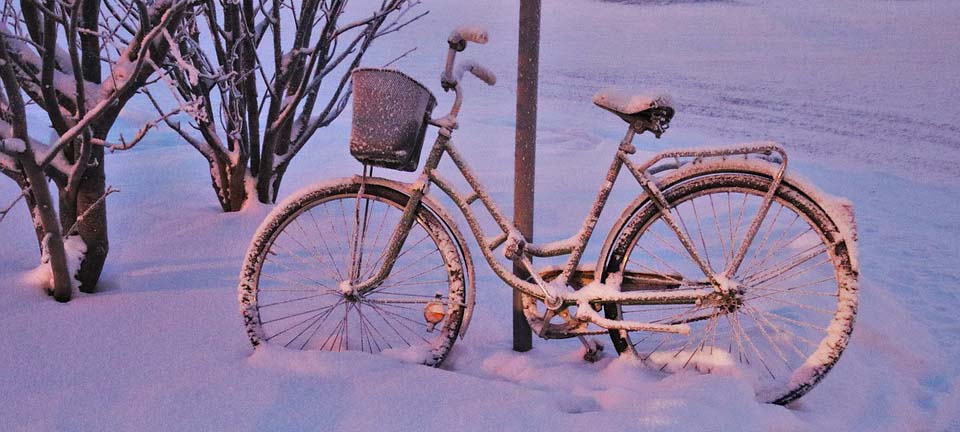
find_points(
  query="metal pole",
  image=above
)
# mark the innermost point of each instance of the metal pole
(528, 63)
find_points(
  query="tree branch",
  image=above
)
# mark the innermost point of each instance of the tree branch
(76, 225)
(141, 133)
(6, 210)
(395, 5)
(48, 68)
(127, 84)
(205, 148)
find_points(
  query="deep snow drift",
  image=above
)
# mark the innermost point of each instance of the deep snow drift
(862, 93)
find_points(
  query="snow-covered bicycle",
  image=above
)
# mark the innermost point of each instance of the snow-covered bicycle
(724, 261)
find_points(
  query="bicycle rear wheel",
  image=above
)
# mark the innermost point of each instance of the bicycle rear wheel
(797, 291)
(290, 285)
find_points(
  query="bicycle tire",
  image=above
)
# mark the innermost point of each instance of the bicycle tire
(312, 230)
(819, 314)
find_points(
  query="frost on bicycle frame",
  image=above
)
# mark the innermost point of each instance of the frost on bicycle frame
(391, 115)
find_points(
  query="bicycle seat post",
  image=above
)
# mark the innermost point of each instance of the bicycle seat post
(626, 145)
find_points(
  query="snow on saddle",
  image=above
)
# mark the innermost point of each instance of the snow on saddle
(650, 111)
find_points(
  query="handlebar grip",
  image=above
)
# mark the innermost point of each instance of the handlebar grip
(474, 34)
(473, 67)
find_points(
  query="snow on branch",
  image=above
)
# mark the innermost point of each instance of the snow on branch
(6, 210)
(142, 132)
(203, 147)
(97, 203)
(399, 23)
(7, 163)
(379, 15)
(12, 146)
(125, 76)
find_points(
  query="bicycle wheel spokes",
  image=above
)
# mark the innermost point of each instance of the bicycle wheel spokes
(773, 325)
(776, 273)
(318, 245)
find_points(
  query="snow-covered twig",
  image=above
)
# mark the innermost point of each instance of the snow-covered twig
(7, 163)
(400, 57)
(98, 202)
(6, 210)
(396, 5)
(201, 146)
(125, 19)
(397, 25)
(12, 146)
(141, 133)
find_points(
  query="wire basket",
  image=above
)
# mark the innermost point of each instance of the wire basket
(390, 114)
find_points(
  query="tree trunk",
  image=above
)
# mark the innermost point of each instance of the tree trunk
(268, 184)
(38, 200)
(62, 289)
(231, 189)
(277, 178)
(266, 191)
(93, 227)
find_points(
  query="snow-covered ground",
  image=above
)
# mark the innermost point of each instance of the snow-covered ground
(863, 94)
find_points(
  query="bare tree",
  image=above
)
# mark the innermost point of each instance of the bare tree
(257, 79)
(55, 53)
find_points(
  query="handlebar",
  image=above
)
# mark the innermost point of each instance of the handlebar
(477, 70)
(453, 73)
(460, 35)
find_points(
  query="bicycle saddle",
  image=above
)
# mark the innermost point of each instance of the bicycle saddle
(645, 112)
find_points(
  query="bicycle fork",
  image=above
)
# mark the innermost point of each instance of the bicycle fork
(420, 188)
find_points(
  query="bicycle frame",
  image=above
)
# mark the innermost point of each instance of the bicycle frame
(555, 293)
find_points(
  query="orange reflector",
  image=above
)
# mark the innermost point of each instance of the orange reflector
(434, 313)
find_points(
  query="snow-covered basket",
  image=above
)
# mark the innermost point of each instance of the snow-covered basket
(390, 114)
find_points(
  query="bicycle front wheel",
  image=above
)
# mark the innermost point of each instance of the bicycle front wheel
(791, 318)
(290, 284)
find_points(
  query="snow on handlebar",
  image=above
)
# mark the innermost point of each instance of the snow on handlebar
(453, 73)
(474, 34)
(473, 67)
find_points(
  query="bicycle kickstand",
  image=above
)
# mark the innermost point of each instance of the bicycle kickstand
(594, 349)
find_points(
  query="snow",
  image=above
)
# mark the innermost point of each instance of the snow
(74, 248)
(65, 84)
(598, 289)
(120, 73)
(475, 34)
(193, 74)
(476, 69)
(7, 162)
(841, 211)
(162, 346)
(13, 145)
(631, 102)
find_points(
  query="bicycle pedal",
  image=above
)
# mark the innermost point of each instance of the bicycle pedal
(594, 355)
(594, 349)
